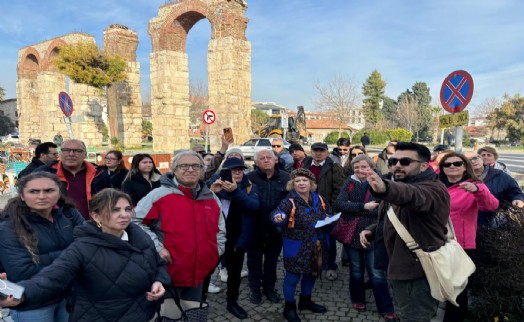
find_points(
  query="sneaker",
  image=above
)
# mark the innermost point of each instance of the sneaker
(223, 274)
(390, 317)
(243, 274)
(331, 275)
(272, 296)
(213, 289)
(359, 307)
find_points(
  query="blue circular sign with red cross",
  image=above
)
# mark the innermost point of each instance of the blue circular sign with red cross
(66, 104)
(456, 91)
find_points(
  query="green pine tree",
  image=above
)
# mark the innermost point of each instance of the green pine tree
(373, 90)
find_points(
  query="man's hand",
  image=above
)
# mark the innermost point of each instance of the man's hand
(518, 203)
(216, 187)
(363, 238)
(229, 186)
(371, 205)
(164, 253)
(376, 182)
(157, 291)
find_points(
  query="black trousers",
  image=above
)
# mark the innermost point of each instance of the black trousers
(234, 263)
(262, 259)
(458, 314)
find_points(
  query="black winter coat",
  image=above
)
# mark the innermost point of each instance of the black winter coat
(53, 238)
(116, 177)
(109, 276)
(137, 187)
(331, 179)
(35, 163)
(270, 191)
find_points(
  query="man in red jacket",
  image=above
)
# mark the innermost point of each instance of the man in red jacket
(185, 221)
(421, 203)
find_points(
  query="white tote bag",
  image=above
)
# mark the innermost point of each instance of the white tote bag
(447, 268)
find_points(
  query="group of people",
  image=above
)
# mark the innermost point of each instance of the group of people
(93, 243)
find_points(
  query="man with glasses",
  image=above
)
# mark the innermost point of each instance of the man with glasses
(499, 183)
(340, 154)
(44, 153)
(80, 179)
(262, 255)
(285, 160)
(421, 203)
(185, 222)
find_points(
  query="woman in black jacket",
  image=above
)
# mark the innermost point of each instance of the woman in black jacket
(112, 265)
(142, 178)
(37, 226)
(116, 168)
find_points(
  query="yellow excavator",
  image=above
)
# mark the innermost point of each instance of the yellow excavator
(296, 130)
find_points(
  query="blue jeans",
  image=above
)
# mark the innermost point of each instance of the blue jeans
(360, 260)
(290, 285)
(51, 313)
(414, 300)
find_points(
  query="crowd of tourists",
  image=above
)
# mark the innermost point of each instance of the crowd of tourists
(106, 243)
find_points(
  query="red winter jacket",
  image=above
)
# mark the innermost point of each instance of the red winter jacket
(191, 227)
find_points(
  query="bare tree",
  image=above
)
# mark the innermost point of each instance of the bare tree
(199, 100)
(487, 106)
(407, 113)
(340, 96)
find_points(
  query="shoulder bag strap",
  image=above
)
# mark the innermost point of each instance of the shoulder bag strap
(402, 231)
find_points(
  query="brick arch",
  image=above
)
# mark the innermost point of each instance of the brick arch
(29, 64)
(51, 53)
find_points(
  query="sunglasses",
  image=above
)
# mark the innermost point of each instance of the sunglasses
(474, 159)
(355, 154)
(403, 161)
(276, 146)
(455, 164)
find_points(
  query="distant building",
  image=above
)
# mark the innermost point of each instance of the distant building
(268, 107)
(8, 108)
(478, 121)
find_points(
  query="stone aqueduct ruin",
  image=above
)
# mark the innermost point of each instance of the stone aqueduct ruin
(229, 80)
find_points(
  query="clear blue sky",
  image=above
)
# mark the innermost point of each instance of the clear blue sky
(298, 42)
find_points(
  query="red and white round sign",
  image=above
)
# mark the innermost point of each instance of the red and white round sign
(209, 117)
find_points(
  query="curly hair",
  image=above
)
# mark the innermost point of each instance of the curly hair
(19, 212)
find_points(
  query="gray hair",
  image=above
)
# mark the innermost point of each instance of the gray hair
(363, 157)
(271, 152)
(177, 157)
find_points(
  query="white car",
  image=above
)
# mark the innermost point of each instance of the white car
(10, 138)
(250, 147)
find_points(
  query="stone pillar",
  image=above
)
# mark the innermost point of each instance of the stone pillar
(124, 100)
(50, 84)
(28, 115)
(87, 118)
(229, 63)
(169, 100)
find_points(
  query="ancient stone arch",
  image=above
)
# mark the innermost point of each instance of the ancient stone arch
(229, 71)
(39, 83)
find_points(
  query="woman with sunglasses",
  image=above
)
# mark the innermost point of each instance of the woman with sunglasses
(142, 178)
(354, 151)
(468, 195)
(115, 167)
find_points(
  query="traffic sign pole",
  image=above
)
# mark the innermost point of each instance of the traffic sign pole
(207, 138)
(208, 117)
(67, 121)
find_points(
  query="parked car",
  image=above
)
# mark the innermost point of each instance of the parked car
(250, 147)
(10, 138)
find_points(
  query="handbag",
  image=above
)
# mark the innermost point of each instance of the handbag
(447, 269)
(344, 231)
(176, 309)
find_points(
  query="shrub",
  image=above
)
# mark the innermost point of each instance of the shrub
(399, 134)
(332, 137)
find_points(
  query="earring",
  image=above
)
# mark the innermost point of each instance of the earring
(98, 224)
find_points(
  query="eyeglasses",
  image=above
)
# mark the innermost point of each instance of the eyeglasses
(455, 164)
(355, 154)
(276, 146)
(75, 151)
(185, 167)
(111, 159)
(475, 158)
(403, 161)
(340, 149)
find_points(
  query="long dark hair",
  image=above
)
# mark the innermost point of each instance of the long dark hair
(119, 156)
(134, 166)
(19, 212)
(468, 174)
